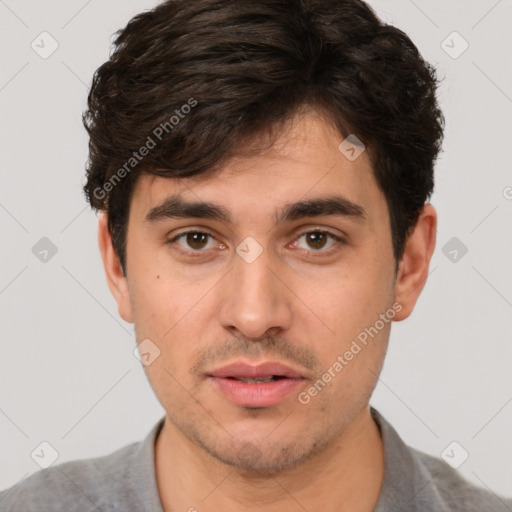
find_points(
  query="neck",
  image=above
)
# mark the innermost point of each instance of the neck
(346, 476)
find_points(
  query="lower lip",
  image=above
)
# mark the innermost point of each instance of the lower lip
(261, 394)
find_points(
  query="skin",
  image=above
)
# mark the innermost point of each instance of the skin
(292, 304)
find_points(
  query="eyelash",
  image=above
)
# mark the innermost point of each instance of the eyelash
(338, 239)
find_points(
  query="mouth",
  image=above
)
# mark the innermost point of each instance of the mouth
(269, 378)
(263, 385)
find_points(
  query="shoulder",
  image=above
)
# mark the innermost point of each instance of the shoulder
(80, 485)
(415, 481)
(458, 493)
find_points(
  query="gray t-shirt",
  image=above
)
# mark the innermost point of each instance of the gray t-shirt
(125, 481)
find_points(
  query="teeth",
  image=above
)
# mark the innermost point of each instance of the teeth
(257, 379)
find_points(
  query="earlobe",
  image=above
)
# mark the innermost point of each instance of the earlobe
(413, 267)
(116, 279)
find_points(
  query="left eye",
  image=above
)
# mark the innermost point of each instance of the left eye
(317, 240)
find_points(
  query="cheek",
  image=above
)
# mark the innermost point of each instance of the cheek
(167, 310)
(161, 296)
(349, 299)
(350, 302)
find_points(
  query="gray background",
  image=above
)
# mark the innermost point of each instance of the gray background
(68, 374)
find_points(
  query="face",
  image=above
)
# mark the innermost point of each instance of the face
(256, 280)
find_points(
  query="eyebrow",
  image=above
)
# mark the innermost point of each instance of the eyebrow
(175, 207)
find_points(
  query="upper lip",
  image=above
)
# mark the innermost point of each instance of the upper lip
(240, 369)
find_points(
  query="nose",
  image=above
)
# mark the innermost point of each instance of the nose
(255, 301)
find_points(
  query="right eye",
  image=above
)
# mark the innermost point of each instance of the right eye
(193, 241)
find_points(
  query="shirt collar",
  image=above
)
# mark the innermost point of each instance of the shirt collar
(407, 486)
(143, 472)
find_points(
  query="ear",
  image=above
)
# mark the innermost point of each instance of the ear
(114, 272)
(413, 267)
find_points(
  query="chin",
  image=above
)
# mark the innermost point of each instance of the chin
(253, 458)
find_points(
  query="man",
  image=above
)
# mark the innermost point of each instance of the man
(263, 172)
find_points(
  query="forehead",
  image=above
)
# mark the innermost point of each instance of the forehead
(304, 163)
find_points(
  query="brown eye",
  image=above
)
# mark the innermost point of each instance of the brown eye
(318, 241)
(194, 241)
